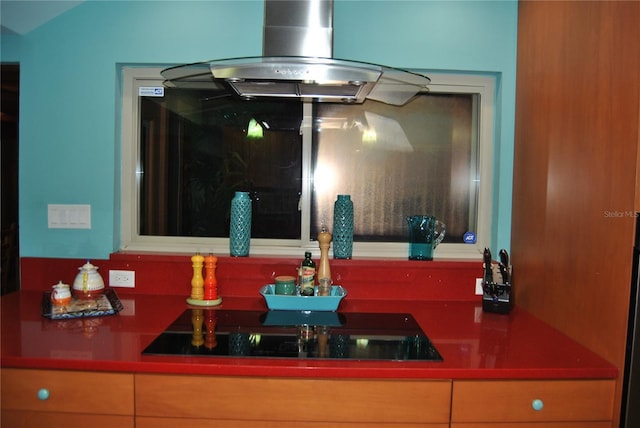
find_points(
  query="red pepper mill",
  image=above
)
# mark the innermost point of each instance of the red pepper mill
(210, 340)
(204, 292)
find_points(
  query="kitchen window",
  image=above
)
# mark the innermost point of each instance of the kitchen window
(186, 151)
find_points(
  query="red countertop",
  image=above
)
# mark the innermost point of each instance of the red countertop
(473, 344)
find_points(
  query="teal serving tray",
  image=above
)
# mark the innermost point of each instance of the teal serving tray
(303, 303)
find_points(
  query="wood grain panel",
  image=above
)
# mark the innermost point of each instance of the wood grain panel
(29, 419)
(271, 399)
(511, 401)
(575, 162)
(70, 391)
(209, 423)
(637, 203)
(534, 425)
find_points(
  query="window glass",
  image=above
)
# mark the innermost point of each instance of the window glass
(397, 161)
(198, 148)
(186, 152)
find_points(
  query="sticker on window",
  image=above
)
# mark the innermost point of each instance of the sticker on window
(469, 238)
(151, 91)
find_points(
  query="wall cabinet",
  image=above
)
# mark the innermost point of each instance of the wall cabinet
(52, 398)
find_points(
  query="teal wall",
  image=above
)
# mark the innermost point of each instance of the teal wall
(69, 88)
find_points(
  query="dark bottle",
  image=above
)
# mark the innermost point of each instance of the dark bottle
(307, 275)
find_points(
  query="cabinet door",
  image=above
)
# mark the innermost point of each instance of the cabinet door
(30, 419)
(534, 425)
(533, 401)
(226, 423)
(283, 399)
(67, 391)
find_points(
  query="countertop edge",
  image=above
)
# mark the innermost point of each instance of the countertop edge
(269, 368)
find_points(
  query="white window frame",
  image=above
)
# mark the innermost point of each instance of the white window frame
(131, 240)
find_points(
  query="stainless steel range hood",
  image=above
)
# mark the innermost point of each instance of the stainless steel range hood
(297, 63)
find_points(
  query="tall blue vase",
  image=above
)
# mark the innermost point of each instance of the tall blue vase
(240, 227)
(343, 227)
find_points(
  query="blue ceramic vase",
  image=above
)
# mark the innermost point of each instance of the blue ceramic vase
(240, 227)
(343, 227)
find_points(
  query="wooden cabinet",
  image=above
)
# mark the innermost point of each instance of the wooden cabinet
(576, 176)
(534, 425)
(557, 403)
(174, 401)
(52, 398)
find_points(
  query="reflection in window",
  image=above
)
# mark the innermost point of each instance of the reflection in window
(397, 161)
(197, 149)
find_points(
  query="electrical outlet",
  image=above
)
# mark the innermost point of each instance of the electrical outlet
(122, 278)
(479, 291)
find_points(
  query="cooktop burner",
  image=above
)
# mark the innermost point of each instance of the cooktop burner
(295, 334)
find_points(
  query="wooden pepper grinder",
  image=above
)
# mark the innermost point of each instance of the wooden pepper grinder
(197, 281)
(204, 292)
(324, 239)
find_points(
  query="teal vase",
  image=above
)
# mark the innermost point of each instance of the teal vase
(240, 227)
(343, 227)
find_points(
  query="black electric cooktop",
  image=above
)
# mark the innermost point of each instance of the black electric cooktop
(295, 334)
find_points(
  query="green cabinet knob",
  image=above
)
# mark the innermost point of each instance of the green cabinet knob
(537, 405)
(43, 394)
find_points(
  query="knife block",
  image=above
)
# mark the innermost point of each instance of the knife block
(496, 296)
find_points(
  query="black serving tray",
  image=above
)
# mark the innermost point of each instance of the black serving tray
(107, 303)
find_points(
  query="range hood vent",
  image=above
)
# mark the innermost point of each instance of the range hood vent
(297, 63)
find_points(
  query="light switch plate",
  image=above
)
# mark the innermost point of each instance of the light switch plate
(68, 216)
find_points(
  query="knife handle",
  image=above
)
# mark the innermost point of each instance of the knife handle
(488, 273)
(504, 266)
